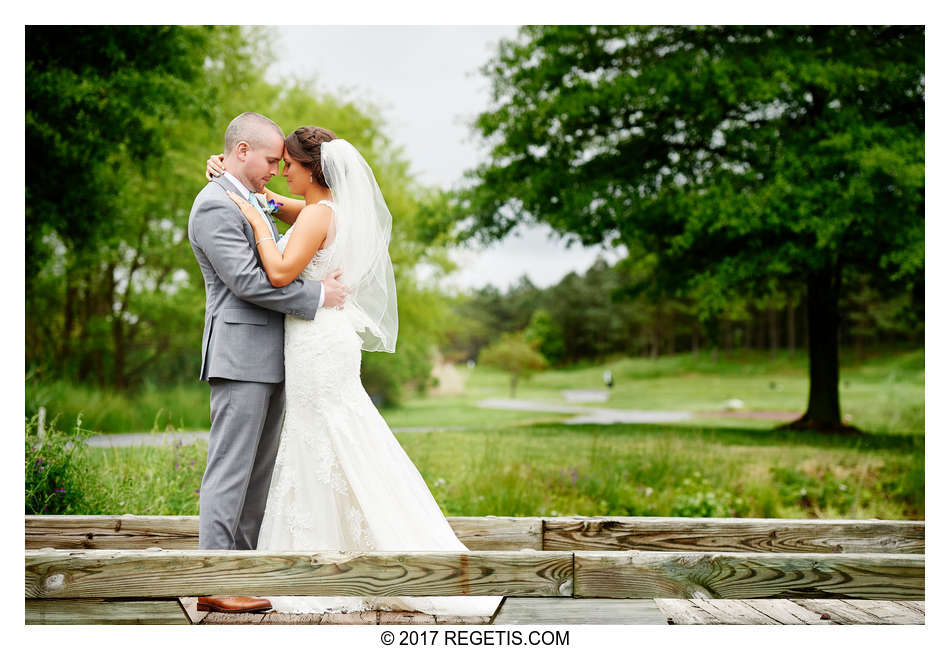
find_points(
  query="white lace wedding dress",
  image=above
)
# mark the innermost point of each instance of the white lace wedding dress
(341, 480)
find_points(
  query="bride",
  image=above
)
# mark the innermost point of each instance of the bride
(341, 480)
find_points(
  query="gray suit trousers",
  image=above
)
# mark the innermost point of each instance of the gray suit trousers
(246, 419)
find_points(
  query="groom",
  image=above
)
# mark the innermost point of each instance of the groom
(242, 349)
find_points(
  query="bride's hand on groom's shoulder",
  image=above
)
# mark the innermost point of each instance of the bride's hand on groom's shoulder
(214, 166)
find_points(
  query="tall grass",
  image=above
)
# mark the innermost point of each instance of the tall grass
(552, 470)
(149, 409)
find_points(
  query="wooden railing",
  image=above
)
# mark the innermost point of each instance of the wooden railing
(114, 559)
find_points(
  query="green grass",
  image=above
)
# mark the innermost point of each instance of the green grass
(554, 469)
(883, 394)
(184, 407)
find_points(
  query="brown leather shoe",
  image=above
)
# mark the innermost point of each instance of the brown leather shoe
(232, 604)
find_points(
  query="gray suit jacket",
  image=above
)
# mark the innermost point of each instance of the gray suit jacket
(244, 323)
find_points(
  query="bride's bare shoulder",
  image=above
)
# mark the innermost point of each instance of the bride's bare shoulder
(314, 221)
(317, 213)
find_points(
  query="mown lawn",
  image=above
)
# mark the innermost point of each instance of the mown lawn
(884, 393)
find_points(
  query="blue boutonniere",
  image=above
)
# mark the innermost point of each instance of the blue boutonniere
(272, 207)
(269, 206)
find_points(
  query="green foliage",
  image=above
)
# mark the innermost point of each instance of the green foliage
(114, 295)
(739, 155)
(546, 336)
(700, 499)
(553, 470)
(746, 159)
(515, 356)
(55, 469)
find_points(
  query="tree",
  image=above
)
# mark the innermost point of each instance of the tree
(545, 336)
(114, 295)
(515, 356)
(747, 159)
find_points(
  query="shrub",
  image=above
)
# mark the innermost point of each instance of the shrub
(54, 469)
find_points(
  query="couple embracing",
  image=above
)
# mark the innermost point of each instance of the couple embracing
(286, 319)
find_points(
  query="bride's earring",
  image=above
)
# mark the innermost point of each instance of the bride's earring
(311, 178)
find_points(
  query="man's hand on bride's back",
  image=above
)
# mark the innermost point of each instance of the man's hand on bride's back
(215, 166)
(334, 291)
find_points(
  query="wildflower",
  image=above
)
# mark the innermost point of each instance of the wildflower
(196, 491)
(648, 491)
(192, 462)
(60, 489)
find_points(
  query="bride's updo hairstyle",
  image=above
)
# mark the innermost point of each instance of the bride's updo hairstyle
(303, 145)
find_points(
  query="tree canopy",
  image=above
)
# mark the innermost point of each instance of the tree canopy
(746, 159)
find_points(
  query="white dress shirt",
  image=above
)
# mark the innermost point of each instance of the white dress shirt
(247, 196)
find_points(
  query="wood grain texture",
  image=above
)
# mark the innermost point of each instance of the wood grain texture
(653, 574)
(131, 573)
(579, 611)
(915, 605)
(167, 532)
(765, 611)
(190, 605)
(539, 533)
(221, 618)
(786, 612)
(888, 612)
(406, 618)
(111, 532)
(682, 611)
(498, 533)
(733, 535)
(100, 611)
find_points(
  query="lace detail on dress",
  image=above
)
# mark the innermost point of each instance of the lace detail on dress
(341, 480)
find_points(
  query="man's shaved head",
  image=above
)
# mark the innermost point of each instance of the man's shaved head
(257, 160)
(252, 128)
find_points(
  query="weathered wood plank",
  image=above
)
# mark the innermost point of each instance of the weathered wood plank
(167, 532)
(733, 535)
(732, 612)
(405, 618)
(498, 533)
(838, 611)
(101, 611)
(369, 617)
(652, 574)
(220, 618)
(283, 618)
(889, 612)
(682, 611)
(574, 611)
(131, 573)
(779, 611)
(916, 605)
(554, 533)
(786, 612)
(111, 532)
(442, 619)
(190, 605)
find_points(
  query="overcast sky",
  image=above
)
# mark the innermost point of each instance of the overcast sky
(426, 80)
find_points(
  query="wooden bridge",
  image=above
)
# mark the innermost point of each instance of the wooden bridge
(558, 570)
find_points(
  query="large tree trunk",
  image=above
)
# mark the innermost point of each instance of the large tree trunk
(824, 410)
